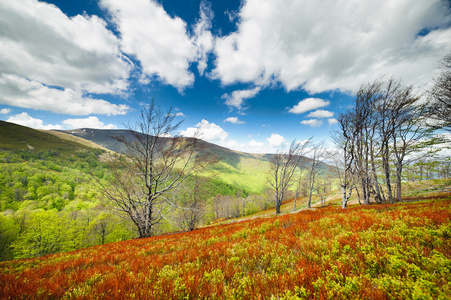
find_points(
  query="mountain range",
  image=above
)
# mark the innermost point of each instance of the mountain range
(246, 171)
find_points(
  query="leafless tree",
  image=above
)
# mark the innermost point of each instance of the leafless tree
(440, 95)
(382, 131)
(191, 206)
(400, 119)
(283, 167)
(344, 158)
(157, 160)
(222, 206)
(317, 154)
(300, 182)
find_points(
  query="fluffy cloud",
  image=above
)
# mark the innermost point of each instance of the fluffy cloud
(5, 111)
(307, 105)
(233, 120)
(254, 144)
(332, 121)
(320, 114)
(160, 42)
(89, 122)
(203, 39)
(26, 120)
(237, 98)
(39, 42)
(276, 140)
(210, 132)
(312, 123)
(22, 92)
(50, 61)
(332, 45)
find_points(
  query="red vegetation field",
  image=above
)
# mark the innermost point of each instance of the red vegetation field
(400, 251)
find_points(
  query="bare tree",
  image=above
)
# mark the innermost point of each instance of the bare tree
(299, 184)
(300, 181)
(283, 167)
(440, 95)
(380, 134)
(191, 206)
(222, 206)
(401, 132)
(344, 158)
(316, 158)
(154, 165)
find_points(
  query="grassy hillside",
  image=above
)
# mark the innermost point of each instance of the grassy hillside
(75, 139)
(246, 171)
(400, 251)
(17, 137)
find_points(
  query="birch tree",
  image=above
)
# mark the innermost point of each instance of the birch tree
(316, 158)
(282, 170)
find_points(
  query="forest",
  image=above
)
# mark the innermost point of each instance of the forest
(51, 204)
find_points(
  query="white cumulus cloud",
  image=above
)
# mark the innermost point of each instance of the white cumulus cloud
(89, 122)
(276, 140)
(307, 105)
(22, 92)
(254, 144)
(233, 120)
(46, 54)
(320, 114)
(162, 42)
(236, 98)
(39, 42)
(211, 133)
(333, 45)
(26, 120)
(203, 38)
(332, 121)
(5, 111)
(312, 123)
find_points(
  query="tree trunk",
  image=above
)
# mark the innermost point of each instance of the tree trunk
(358, 195)
(386, 165)
(398, 182)
(278, 203)
(344, 200)
(309, 204)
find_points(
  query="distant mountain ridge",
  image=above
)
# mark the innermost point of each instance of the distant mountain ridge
(245, 170)
(18, 137)
(105, 138)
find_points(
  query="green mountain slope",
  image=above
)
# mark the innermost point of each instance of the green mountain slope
(17, 137)
(246, 171)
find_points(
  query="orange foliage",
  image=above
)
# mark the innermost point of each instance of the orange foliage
(373, 252)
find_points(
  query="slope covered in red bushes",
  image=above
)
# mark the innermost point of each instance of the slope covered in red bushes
(397, 251)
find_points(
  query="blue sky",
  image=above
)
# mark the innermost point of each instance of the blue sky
(252, 75)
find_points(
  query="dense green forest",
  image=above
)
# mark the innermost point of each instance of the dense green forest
(51, 202)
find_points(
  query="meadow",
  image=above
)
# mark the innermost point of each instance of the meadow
(400, 251)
